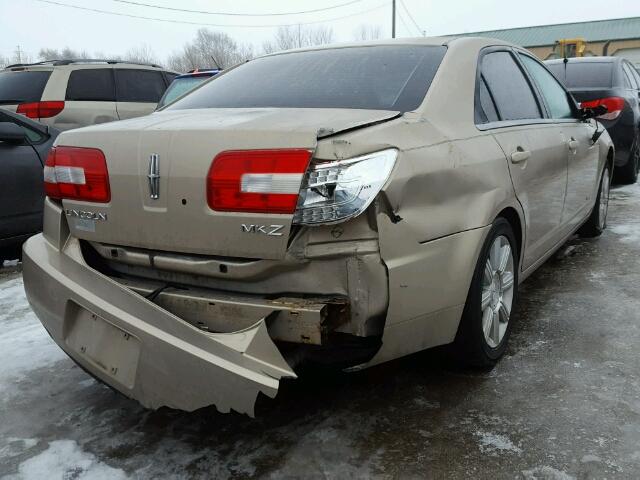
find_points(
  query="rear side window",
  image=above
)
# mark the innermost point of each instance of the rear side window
(578, 75)
(22, 87)
(145, 86)
(91, 85)
(376, 78)
(487, 103)
(555, 96)
(510, 90)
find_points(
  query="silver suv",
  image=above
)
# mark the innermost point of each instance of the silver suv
(69, 94)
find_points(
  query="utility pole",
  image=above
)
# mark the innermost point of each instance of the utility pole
(19, 54)
(393, 19)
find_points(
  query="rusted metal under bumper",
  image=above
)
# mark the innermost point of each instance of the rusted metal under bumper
(288, 319)
(139, 348)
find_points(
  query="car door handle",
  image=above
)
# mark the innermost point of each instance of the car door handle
(573, 145)
(520, 155)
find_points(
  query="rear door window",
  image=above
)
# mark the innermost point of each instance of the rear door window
(143, 86)
(22, 86)
(555, 95)
(514, 99)
(91, 85)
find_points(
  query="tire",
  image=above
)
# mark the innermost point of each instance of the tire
(597, 222)
(483, 332)
(628, 173)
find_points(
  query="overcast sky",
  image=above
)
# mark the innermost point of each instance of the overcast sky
(33, 24)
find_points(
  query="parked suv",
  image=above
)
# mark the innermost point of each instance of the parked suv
(614, 83)
(69, 94)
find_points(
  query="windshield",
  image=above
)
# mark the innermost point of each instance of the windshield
(583, 74)
(375, 78)
(179, 87)
(22, 86)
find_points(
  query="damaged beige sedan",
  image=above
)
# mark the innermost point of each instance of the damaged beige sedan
(341, 206)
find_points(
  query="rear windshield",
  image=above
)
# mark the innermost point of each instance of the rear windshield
(180, 86)
(374, 78)
(584, 74)
(21, 86)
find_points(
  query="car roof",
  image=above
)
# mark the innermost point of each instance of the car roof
(470, 42)
(81, 61)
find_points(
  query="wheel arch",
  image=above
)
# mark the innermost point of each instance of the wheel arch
(512, 216)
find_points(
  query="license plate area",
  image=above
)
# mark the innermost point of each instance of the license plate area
(102, 344)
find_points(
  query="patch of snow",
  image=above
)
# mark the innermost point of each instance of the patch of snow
(590, 458)
(630, 232)
(24, 343)
(493, 442)
(16, 446)
(546, 473)
(64, 459)
(421, 402)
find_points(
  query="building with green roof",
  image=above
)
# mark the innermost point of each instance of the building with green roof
(616, 37)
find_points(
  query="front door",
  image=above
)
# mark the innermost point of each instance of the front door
(581, 153)
(534, 147)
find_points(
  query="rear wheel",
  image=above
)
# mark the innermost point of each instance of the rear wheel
(628, 173)
(485, 325)
(598, 220)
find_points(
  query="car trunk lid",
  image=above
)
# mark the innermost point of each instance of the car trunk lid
(184, 144)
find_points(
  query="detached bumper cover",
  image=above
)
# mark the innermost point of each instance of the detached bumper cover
(143, 351)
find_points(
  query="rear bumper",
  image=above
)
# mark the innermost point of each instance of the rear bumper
(140, 349)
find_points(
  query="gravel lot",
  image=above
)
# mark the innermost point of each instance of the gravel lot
(564, 403)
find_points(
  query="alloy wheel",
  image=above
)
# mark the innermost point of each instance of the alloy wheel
(604, 199)
(497, 291)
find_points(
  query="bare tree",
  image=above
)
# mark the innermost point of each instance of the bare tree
(15, 58)
(141, 54)
(367, 32)
(298, 36)
(210, 49)
(65, 54)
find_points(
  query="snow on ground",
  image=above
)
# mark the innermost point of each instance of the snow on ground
(496, 443)
(64, 459)
(24, 343)
(546, 473)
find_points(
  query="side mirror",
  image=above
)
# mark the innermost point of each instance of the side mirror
(11, 133)
(593, 112)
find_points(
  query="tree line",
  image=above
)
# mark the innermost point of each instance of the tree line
(209, 48)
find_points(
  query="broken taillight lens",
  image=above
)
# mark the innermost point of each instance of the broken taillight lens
(76, 173)
(260, 181)
(337, 191)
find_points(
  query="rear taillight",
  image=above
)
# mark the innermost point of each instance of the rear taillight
(260, 181)
(77, 173)
(614, 105)
(40, 109)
